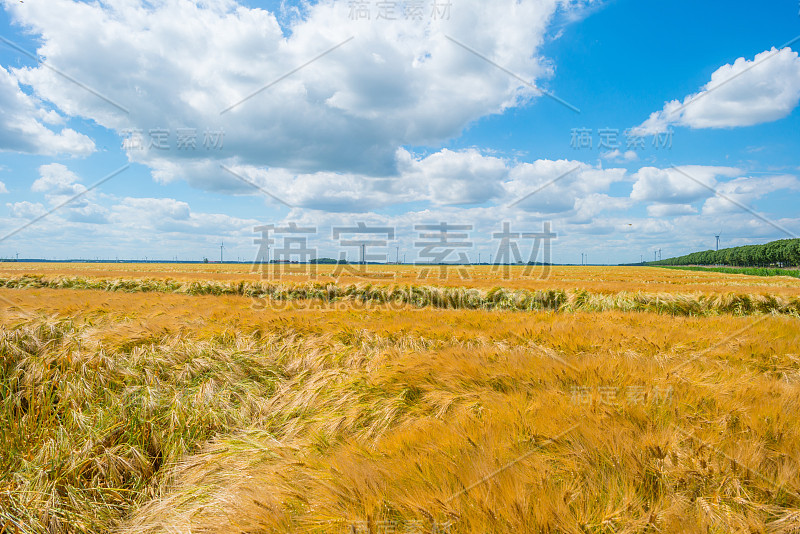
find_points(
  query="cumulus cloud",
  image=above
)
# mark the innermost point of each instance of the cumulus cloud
(158, 227)
(444, 178)
(151, 211)
(173, 218)
(26, 210)
(681, 185)
(57, 181)
(590, 207)
(744, 190)
(670, 210)
(551, 187)
(324, 191)
(23, 129)
(186, 64)
(329, 136)
(618, 155)
(453, 178)
(748, 92)
(60, 185)
(715, 200)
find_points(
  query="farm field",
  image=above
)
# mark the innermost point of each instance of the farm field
(162, 410)
(596, 279)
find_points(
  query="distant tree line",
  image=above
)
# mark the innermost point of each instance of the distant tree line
(782, 253)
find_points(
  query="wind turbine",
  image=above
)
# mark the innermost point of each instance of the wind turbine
(717, 235)
(221, 246)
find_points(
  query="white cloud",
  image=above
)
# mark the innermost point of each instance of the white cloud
(178, 64)
(745, 190)
(678, 185)
(26, 210)
(57, 181)
(173, 218)
(453, 178)
(330, 136)
(748, 92)
(325, 191)
(617, 155)
(150, 211)
(172, 228)
(157, 227)
(22, 128)
(60, 185)
(558, 185)
(445, 178)
(670, 210)
(590, 207)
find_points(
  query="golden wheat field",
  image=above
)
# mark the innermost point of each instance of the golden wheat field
(200, 398)
(597, 279)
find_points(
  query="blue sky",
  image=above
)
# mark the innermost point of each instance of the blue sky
(401, 122)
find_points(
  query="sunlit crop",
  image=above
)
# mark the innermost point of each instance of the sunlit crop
(146, 405)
